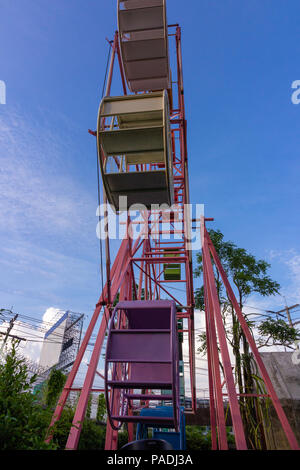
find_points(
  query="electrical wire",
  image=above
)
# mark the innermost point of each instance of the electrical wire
(98, 176)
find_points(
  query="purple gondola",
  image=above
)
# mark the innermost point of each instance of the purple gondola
(142, 355)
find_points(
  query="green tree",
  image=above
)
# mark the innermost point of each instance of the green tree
(89, 406)
(54, 386)
(276, 333)
(101, 407)
(22, 419)
(92, 436)
(199, 438)
(249, 275)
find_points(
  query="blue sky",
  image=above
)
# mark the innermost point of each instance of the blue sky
(240, 58)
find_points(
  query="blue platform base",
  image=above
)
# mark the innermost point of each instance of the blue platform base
(176, 439)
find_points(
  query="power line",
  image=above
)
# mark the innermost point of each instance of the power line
(287, 311)
(10, 327)
(29, 326)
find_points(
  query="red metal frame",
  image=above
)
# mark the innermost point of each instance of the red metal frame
(142, 262)
(121, 278)
(214, 322)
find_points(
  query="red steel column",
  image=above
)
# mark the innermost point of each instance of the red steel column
(233, 400)
(214, 366)
(71, 377)
(83, 399)
(271, 391)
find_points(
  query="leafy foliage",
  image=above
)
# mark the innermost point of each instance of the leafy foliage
(22, 420)
(92, 436)
(199, 438)
(278, 331)
(54, 387)
(89, 406)
(101, 409)
(203, 344)
(249, 275)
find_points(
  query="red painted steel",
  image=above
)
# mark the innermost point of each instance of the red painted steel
(141, 264)
(122, 274)
(215, 312)
(214, 368)
(209, 251)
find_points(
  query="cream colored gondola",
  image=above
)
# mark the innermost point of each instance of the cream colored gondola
(134, 149)
(144, 44)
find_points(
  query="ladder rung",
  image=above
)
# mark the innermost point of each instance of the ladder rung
(138, 361)
(140, 331)
(132, 396)
(148, 384)
(168, 422)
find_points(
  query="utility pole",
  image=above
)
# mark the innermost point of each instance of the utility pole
(10, 327)
(287, 311)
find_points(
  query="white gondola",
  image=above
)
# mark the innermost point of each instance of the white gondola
(144, 44)
(134, 149)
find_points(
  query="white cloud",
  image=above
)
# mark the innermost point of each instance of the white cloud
(51, 316)
(32, 333)
(47, 217)
(290, 261)
(36, 190)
